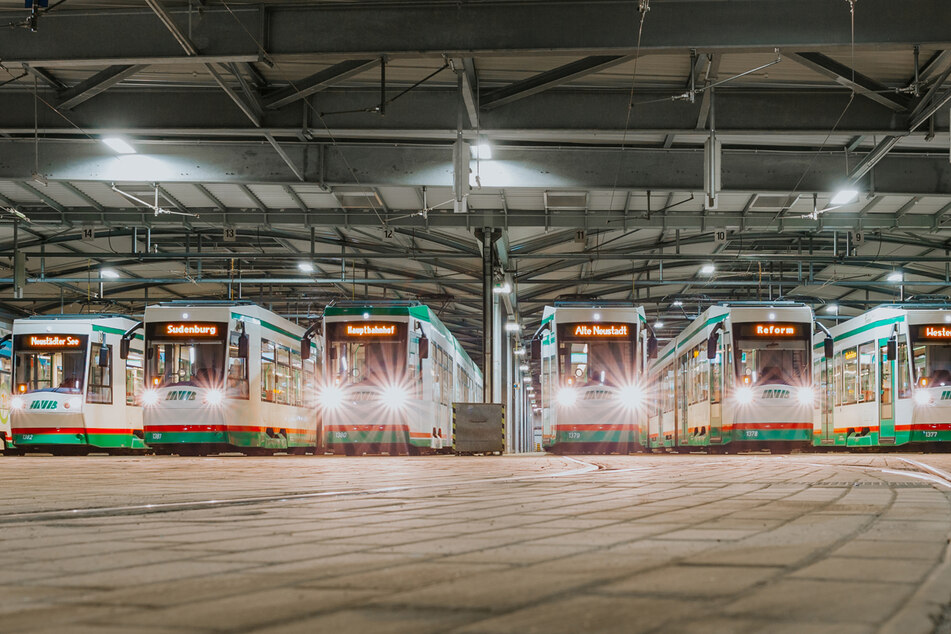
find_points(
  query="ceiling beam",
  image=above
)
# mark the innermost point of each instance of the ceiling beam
(98, 83)
(595, 27)
(321, 80)
(550, 79)
(851, 79)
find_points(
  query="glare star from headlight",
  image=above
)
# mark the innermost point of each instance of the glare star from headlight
(631, 396)
(806, 395)
(394, 397)
(149, 397)
(214, 397)
(922, 397)
(744, 396)
(16, 403)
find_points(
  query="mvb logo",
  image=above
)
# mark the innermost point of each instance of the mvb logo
(776, 393)
(946, 395)
(43, 405)
(180, 395)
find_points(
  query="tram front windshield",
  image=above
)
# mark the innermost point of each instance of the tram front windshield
(367, 353)
(185, 354)
(772, 353)
(596, 354)
(50, 363)
(931, 355)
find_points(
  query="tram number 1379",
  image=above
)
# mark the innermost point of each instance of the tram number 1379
(574, 435)
(341, 435)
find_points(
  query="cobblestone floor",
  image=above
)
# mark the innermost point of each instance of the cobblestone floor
(806, 543)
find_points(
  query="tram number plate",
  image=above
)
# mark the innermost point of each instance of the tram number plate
(341, 435)
(156, 435)
(931, 434)
(752, 433)
(574, 435)
(27, 436)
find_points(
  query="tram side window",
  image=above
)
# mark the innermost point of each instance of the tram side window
(850, 375)
(838, 379)
(282, 375)
(6, 381)
(546, 378)
(268, 372)
(296, 379)
(904, 376)
(99, 389)
(716, 368)
(415, 372)
(310, 382)
(237, 370)
(703, 376)
(866, 372)
(134, 377)
(669, 389)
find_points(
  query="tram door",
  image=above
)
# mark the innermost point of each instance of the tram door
(826, 394)
(886, 407)
(716, 394)
(680, 423)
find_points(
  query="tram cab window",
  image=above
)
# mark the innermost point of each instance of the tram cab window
(595, 361)
(866, 391)
(100, 378)
(51, 369)
(772, 360)
(850, 372)
(183, 360)
(237, 383)
(932, 362)
(376, 359)
(134, 377)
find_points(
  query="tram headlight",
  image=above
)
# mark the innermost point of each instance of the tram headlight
(394, 397)
(922, 397)
(806, 395)
(331, 397)
(631, 396)
(16, 403)
(744, 396)
(214, 397)
(149, 397)
(567, 396)
(72, 403)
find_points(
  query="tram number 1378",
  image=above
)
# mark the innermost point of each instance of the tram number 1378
(752, 433)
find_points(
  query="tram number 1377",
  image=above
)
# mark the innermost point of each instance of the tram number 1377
(931, 434)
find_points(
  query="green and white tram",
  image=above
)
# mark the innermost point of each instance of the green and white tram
(393, 371)
(593, 377)
(6, 391)
(889, 381)
(227, 376)
(740, 376)
(72, 391)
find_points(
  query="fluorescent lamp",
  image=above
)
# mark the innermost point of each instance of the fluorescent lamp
(481, 151)
(677, 302)
(523, 367)
(109, 273)
(708, 269)
(832, 308)
(844, 197)
(520, 352)
(306, 267)
(895, 277)
(512, 326)
(118, 145)
(502, 288)
(658, 324)
(527, 379)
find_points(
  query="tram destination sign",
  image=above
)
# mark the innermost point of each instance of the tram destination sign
(50, 342)
(929, 331)
(191, 329)
(370, 330)
(601, 330)
(769, 330)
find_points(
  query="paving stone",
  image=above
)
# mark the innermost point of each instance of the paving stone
(856, 569)
(693, 581)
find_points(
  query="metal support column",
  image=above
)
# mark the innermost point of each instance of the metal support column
(485, 236)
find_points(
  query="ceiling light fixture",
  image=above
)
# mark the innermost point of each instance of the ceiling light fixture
(118, 145)
(708, 269)
(844, 197)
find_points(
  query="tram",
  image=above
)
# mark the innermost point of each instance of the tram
(739, 377)
(393, 371)
(889, 381)
(72, 392)
(592, 377)
(6, 387)
(227, 376)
